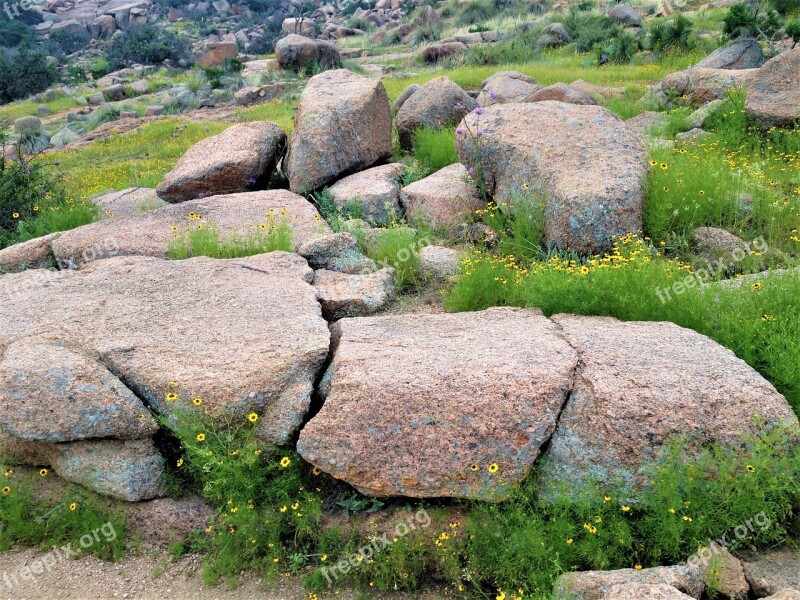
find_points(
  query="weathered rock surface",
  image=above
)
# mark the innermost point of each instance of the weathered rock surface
(712, 242)
(584, 161)
(705, 85)
(785, 594)
(396, 423)
(49, 393)
(741, 54)
(215, 50)
(439, 262)
(243, 335)
(150, 233)
(646, 123)
(724, 573)
(343, 125)
(375, 193)
(506, 86)
(437, 51)
(697, 119)
(128, 202)
(163, 520)
(404, 95)
(644, 591)
(131, 470)
(627, 404)
(625, 15)
(240, 158)
(561, 92)
(594, 585)
(773, 571)
(337, 252)
(344, 295)
(438, 104)
(444, 198)
(296, 52)
(773, 96)
(33, 254)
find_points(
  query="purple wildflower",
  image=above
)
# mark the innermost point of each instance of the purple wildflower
(471, 170)
(479, 111)
(479, 133)
(459, 131)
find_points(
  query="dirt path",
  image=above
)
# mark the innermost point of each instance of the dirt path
(148, 575)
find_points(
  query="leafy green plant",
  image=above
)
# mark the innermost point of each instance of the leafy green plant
(426, 33)
(146, 44)
(195, 88)
(670, 36)
(622, 47)
(793, 30)
(588, 29)
(23, 72)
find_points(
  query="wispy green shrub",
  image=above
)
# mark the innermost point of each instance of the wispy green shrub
(201, 239)
(435, 147)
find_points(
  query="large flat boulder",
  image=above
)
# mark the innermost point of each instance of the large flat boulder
(243, 335)
(703, 85)
(151, 233)
(583, 161)
(627, 405)
(343, 125)
(773, 96)
(354, 295)
(644, 591)
(438, 104)
(439, 405)
(240, 158)
(561, 92)
(33, 254)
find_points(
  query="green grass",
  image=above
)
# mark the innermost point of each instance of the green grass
(551, 67)
(139, 158)
(435, 148)
(200, 239)
(25, 108)
(44, 521)
(749, 183)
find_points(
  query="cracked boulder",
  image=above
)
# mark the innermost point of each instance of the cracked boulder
(445, 198)
(629, 403)
(773, 571)
(49, 393)
(242, 335)
(127, 202)
(151, 233)
(582, 161)
(372, 194)
(240, 158)
(434, 405)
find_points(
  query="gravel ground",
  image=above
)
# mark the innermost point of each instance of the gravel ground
(148, 575)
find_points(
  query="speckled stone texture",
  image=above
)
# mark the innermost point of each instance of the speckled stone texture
(643, 591)
(343, 295)
(415, 402)
(240, 158)
(641, 385)
(337, 252)
(582, 160)
(124, 203)
(594, 585)
(33, 254)
(438, 104)
(506, 86)
(376, 192)
(740, 54)
(704, 85)
(242, 334)
(443, 199)
(131, 470)
(52, 394)
(150, 233)
(297, 52)
(773, 97)
(561, 92)
(771, 572)
(343, 125)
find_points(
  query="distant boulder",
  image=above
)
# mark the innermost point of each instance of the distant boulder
(297, 53)
(741, 54)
